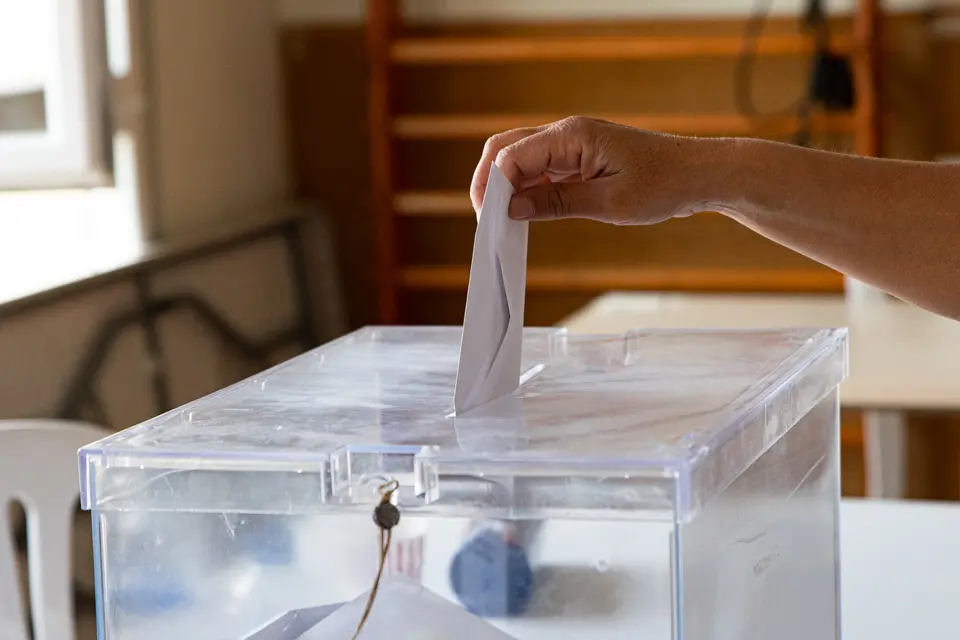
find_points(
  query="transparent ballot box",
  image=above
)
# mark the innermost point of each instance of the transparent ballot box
(658, 484)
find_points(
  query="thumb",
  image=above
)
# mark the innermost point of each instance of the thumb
(558, 200)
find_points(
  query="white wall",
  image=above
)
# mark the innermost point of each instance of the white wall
(218, 98)
(351, 11)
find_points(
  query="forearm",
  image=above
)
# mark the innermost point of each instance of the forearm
(892, 224)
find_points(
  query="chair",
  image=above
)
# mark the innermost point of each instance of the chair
(38, 468)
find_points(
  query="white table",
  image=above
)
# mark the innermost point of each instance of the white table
(901, 357)
(900, 564)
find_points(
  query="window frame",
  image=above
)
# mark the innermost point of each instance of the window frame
(75, 150)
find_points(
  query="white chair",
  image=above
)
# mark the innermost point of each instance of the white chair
(38, 468)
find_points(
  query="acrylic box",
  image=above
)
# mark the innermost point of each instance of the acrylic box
(659, 485)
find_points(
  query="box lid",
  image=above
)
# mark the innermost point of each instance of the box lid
(652, 421)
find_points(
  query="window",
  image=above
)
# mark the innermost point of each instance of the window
(54, 87)
(71, 202)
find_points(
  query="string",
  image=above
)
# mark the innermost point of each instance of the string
(385, 523)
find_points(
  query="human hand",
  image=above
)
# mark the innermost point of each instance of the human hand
(587, 168)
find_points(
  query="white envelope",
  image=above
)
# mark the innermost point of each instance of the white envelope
(491, 345)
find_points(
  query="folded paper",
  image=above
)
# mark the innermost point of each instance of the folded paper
(293, 624)
(490, 349)
(404, 610)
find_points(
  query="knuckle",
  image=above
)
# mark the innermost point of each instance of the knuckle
(498, 141)
(558, 204)
(493, 142)
(576, 131)
(575, 123)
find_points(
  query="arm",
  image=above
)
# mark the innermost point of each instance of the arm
(892, 224)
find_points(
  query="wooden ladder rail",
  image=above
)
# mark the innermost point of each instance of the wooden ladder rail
(387, 49)
(868, 78)
(382, 23)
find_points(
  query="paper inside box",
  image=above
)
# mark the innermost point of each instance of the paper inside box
(293, 624)
(403, 610)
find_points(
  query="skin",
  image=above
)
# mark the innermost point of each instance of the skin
(890, 223)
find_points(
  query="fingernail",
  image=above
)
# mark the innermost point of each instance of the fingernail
(521, 208)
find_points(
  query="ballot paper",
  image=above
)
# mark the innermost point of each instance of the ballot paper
(490, 348)
(404, 610)
(291, 625)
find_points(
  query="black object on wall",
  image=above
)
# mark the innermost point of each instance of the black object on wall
(830, 84)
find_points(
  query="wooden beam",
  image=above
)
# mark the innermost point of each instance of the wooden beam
(603, 278)
(427, 204)
(467, 127)
(868, 79)
(382, 16)
(453, 50)
(439, 204)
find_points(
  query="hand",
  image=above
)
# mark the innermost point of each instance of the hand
(586, 168)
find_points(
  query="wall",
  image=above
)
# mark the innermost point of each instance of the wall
(42, 348)
(218, 109)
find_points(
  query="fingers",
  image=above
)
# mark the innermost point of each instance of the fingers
(533, 158)
(492, 147)
(561, 151)
(561, 200)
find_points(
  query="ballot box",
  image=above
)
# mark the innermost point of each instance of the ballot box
(656, 484)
